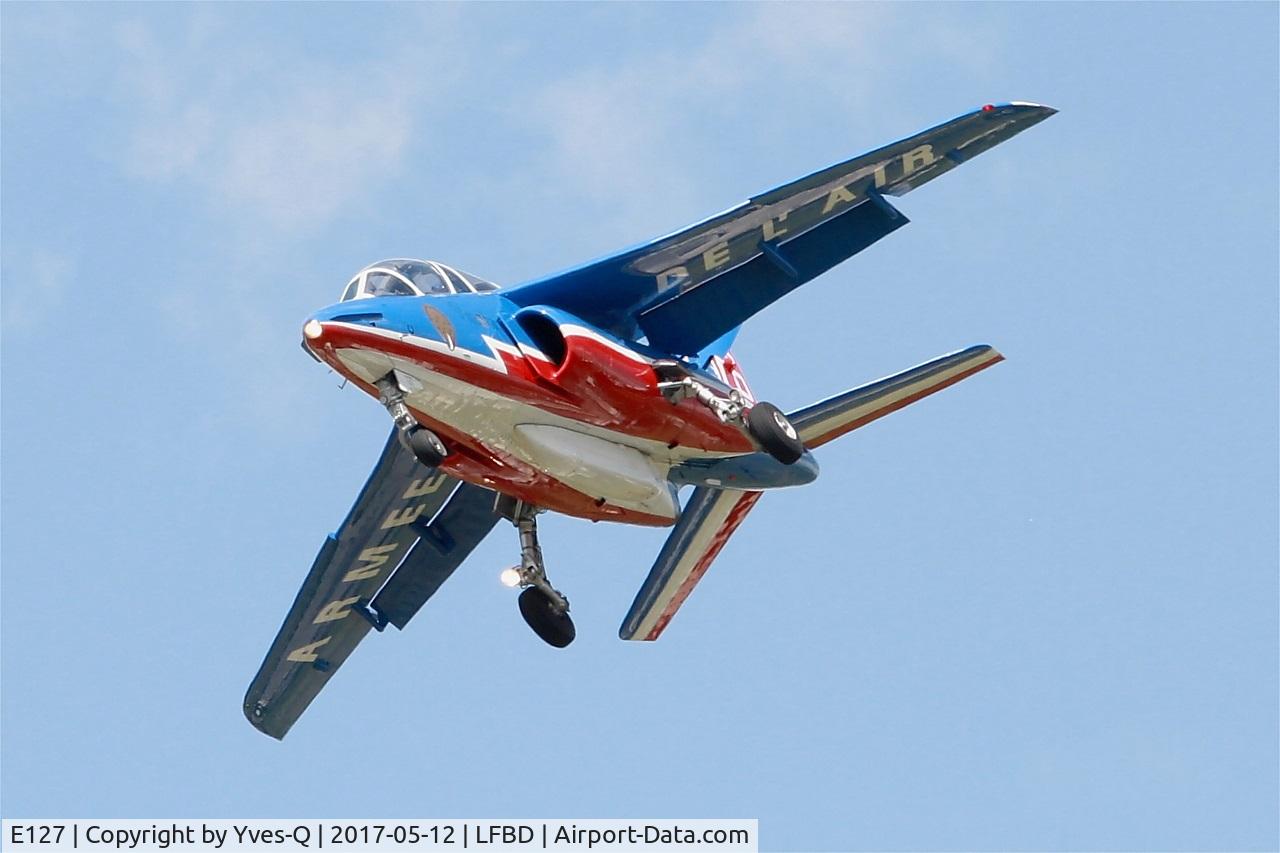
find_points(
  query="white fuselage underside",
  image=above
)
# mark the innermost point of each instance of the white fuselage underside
(624, 470)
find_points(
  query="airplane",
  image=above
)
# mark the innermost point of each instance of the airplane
(599, 392)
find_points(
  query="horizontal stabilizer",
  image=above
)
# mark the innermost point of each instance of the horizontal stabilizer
(708, 520)
(712, 515)
(835, 416)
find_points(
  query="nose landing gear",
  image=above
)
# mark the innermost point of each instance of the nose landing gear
(544, 608)
(424, 444)
(764, 422)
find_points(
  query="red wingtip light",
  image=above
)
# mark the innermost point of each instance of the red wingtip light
(988, 108)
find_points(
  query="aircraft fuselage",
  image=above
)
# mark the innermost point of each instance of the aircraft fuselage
(533, 402)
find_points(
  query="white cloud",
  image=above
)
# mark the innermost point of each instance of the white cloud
(35, 285)
(306, 163)
(264, 131)
(616, 131)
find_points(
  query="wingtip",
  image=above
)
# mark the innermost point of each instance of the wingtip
(1025, 108)
(259, 721)
(988, 352)
(1043, 110)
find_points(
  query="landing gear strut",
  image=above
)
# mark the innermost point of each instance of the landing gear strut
(543, 607)
(764, 422)
(417, 439)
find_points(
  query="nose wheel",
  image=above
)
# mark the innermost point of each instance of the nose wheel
(544, 608)
(424, 444)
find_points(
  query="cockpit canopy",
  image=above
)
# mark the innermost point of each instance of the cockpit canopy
(407, 277)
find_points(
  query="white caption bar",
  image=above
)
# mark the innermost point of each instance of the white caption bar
(287, 836)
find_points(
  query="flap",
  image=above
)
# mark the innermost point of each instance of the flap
(445, 543)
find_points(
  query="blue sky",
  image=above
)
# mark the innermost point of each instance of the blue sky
(1037, 611)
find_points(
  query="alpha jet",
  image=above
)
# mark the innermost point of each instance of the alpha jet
(599, 392)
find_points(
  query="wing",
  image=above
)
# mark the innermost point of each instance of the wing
(822, 422)
(685, 290)
(408, 531)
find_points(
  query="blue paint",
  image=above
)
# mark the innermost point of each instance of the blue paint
(749, 471)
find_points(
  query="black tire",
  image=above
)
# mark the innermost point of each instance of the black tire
(774, 432)
(552, 625)
(427, 447)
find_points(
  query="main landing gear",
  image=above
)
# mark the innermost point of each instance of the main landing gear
(770, 427)
(417, 439)
(764, 422)
(543, 607)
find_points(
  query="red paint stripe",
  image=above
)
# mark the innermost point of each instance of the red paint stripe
(476, 462)
(597, 397)
(898, 404)
(731, 522)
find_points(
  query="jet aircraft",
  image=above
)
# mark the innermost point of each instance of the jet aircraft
(599, 392)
